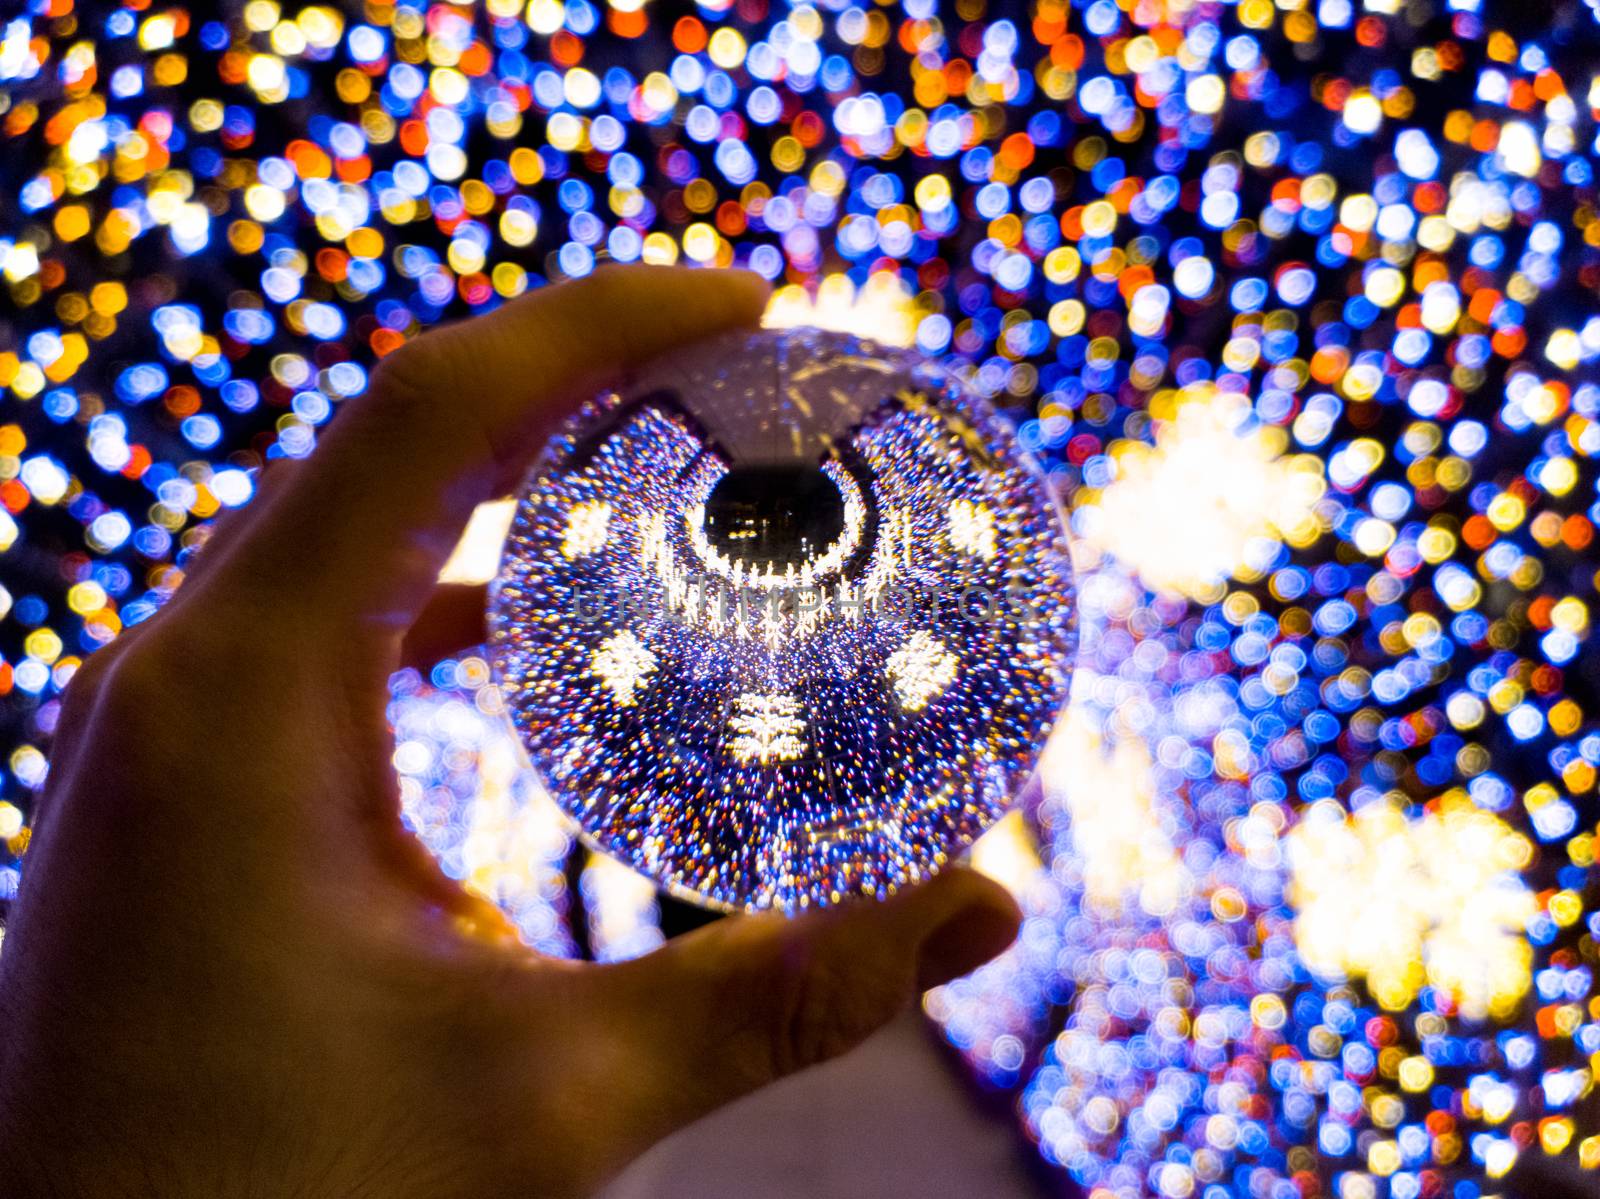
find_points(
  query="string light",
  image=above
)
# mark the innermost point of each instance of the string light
(1293, 301)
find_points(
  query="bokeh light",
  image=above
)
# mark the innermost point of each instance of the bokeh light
(1295, 300)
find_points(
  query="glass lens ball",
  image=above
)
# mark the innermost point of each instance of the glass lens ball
(784, 619)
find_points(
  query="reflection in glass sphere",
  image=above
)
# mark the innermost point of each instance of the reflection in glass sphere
(786, 619)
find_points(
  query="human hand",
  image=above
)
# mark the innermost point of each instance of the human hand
(231, 971)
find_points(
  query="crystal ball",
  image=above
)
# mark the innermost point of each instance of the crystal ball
(784, 619)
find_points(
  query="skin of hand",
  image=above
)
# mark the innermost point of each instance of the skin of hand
(232, 972)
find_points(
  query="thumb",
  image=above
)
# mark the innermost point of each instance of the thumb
(745, 1001)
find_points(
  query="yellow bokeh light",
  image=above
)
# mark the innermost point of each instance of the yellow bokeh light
(1363, 113)
(1213, 492)
(1405, 901)
(882, 310)
(1109, 789)
(727, 48)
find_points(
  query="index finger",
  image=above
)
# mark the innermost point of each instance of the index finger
(356, 542)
